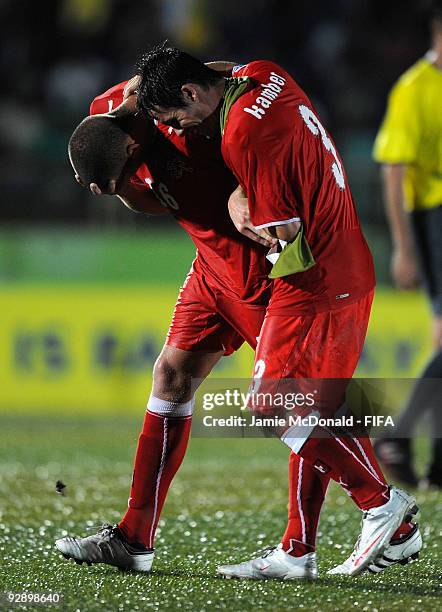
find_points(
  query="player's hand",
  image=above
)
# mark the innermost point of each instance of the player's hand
(96, 190)
(131, 86)
(129, 106)
(240, 215)
(110, 189)
(404, 269)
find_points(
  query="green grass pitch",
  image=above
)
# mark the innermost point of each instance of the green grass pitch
(228, 500)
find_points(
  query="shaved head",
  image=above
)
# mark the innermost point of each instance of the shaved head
(98, 149)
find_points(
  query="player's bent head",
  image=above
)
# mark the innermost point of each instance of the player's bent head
(98, 150)
(164, 70)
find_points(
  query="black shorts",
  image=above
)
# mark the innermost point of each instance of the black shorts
(427, 226)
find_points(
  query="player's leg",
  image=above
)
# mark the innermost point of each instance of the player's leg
(318, 350)
(200, 334)
(307, 489)
(164, 437)
(307, 492)
(160, 451)
(396, 453)
(295, 556)
(350, 461)
(307, 486)
(434, 473)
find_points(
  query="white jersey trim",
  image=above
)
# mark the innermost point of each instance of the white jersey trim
(273, 223)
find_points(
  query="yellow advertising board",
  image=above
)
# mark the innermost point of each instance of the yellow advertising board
(79, 348)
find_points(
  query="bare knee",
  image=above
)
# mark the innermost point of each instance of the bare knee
(171, 381)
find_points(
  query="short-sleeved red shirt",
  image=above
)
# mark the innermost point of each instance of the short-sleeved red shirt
(288, 165)
(187, 174)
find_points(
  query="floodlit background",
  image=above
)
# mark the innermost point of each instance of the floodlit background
(87, 290)
(87, 287)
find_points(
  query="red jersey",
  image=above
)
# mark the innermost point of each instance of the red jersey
(288, 165)
(188, 176)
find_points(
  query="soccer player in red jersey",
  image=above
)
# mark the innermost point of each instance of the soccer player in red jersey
(316, 321)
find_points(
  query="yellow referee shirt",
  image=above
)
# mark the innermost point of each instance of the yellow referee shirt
(411, 134)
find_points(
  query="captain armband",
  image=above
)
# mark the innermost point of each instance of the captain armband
(294, 257)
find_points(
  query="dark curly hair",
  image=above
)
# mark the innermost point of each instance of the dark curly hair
(164, 70)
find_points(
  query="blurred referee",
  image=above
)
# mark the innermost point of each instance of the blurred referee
(409, 147)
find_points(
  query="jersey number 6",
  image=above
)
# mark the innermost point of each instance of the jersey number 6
(316, 128)
(163, 195)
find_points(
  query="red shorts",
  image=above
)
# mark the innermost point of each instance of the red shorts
(205, 320)
(325, 346)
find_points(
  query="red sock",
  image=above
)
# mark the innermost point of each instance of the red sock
(160, 451)
(366, 450)
(340, 458)
(307, 488)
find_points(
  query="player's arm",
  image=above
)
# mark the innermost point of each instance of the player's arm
(263, 165)
(263, 170)
(404, 267)
(395, 148)
(286, 232)
(138, 200)
(239, 213)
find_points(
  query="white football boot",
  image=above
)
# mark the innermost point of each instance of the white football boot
(274, 563)
(378, 526)
(398, 551)
(106, 546)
